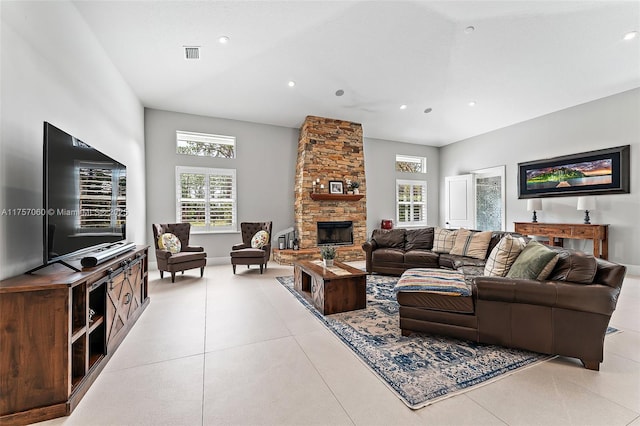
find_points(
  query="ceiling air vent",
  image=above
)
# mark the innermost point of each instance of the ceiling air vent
(192, 52)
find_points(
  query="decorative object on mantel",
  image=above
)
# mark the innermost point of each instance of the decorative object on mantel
(336, 187)
(533, 205)
(605, 171)
(328, 253)
(586, 204)
(352, 186)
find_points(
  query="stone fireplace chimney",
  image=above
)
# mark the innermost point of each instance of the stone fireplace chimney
(328, 149)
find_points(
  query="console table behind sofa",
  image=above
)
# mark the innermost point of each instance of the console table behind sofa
(579, 231)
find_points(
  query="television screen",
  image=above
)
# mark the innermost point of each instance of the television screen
(84, 197)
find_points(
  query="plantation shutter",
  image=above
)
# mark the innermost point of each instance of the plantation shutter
(207, 198)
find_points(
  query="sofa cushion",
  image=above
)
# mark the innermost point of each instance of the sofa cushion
(388, 255)
(574, 266)
(423, 258)
(419, 239)
(503, 255)
(471, 243)
(454, 261)
(535, 262)
(391, 238)
(444, 239)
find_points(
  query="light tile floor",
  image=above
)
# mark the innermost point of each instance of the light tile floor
(241, 350)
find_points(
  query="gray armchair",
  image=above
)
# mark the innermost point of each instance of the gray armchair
(189, 257)
(244, 254)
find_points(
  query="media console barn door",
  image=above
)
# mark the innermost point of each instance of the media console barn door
(59, 329)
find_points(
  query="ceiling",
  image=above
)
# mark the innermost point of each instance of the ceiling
(523, 60)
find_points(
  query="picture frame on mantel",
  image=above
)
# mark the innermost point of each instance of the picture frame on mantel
(336, 187)
(604, 171)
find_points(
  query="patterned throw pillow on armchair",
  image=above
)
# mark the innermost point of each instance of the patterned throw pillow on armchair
(260, 239)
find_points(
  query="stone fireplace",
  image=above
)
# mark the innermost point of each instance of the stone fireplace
(328, 150)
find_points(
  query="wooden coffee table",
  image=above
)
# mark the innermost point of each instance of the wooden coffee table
(331, 290)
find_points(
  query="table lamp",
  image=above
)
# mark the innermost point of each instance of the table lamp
(586, 204)
(533, 205)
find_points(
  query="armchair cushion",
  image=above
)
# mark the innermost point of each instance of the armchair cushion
(169, 242)
(259, 239)
(249, 252)
(185, 256)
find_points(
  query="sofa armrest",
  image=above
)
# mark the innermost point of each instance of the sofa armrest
(192, 248)
(369, 247)
(595, 298)
(240, 246)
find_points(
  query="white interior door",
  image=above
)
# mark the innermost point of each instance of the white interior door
(459, 201)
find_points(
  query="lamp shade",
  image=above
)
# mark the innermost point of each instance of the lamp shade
(586, 203)
(534, 204)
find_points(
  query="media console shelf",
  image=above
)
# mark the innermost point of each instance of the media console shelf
(59, 329)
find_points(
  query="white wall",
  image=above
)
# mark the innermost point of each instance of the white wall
(604, 123)
(265, 169)
(53, 69)
(380, 168)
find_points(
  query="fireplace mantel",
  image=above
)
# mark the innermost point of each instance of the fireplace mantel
(336, 197)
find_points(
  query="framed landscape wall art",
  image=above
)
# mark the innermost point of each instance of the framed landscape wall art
(605, 171)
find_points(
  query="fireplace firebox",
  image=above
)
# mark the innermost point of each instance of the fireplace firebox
(335, 233)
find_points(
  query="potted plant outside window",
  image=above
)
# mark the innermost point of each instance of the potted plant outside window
(328, 253)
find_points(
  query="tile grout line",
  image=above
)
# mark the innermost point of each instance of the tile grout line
(204, 350)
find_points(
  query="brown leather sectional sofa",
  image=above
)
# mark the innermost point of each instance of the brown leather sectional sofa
(567, 314)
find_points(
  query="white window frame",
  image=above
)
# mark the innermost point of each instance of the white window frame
(208, 228)
(412, 159)
(205, 138)
(411, 203)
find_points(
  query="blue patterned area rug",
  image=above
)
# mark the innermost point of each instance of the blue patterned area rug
(420, 368)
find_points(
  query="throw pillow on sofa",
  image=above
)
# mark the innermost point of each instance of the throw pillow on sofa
(443, 240)
(535, 262)
(503, 255)
(260, 239)
(471, 243)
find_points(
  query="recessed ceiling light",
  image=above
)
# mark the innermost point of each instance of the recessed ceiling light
(631, 35)
(291, 83)
(428, 110)
(223, 39)
(472, 103)
(403, 106)
(339, 92)
(469, 29)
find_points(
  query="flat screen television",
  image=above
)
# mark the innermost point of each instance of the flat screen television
(85, 194)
